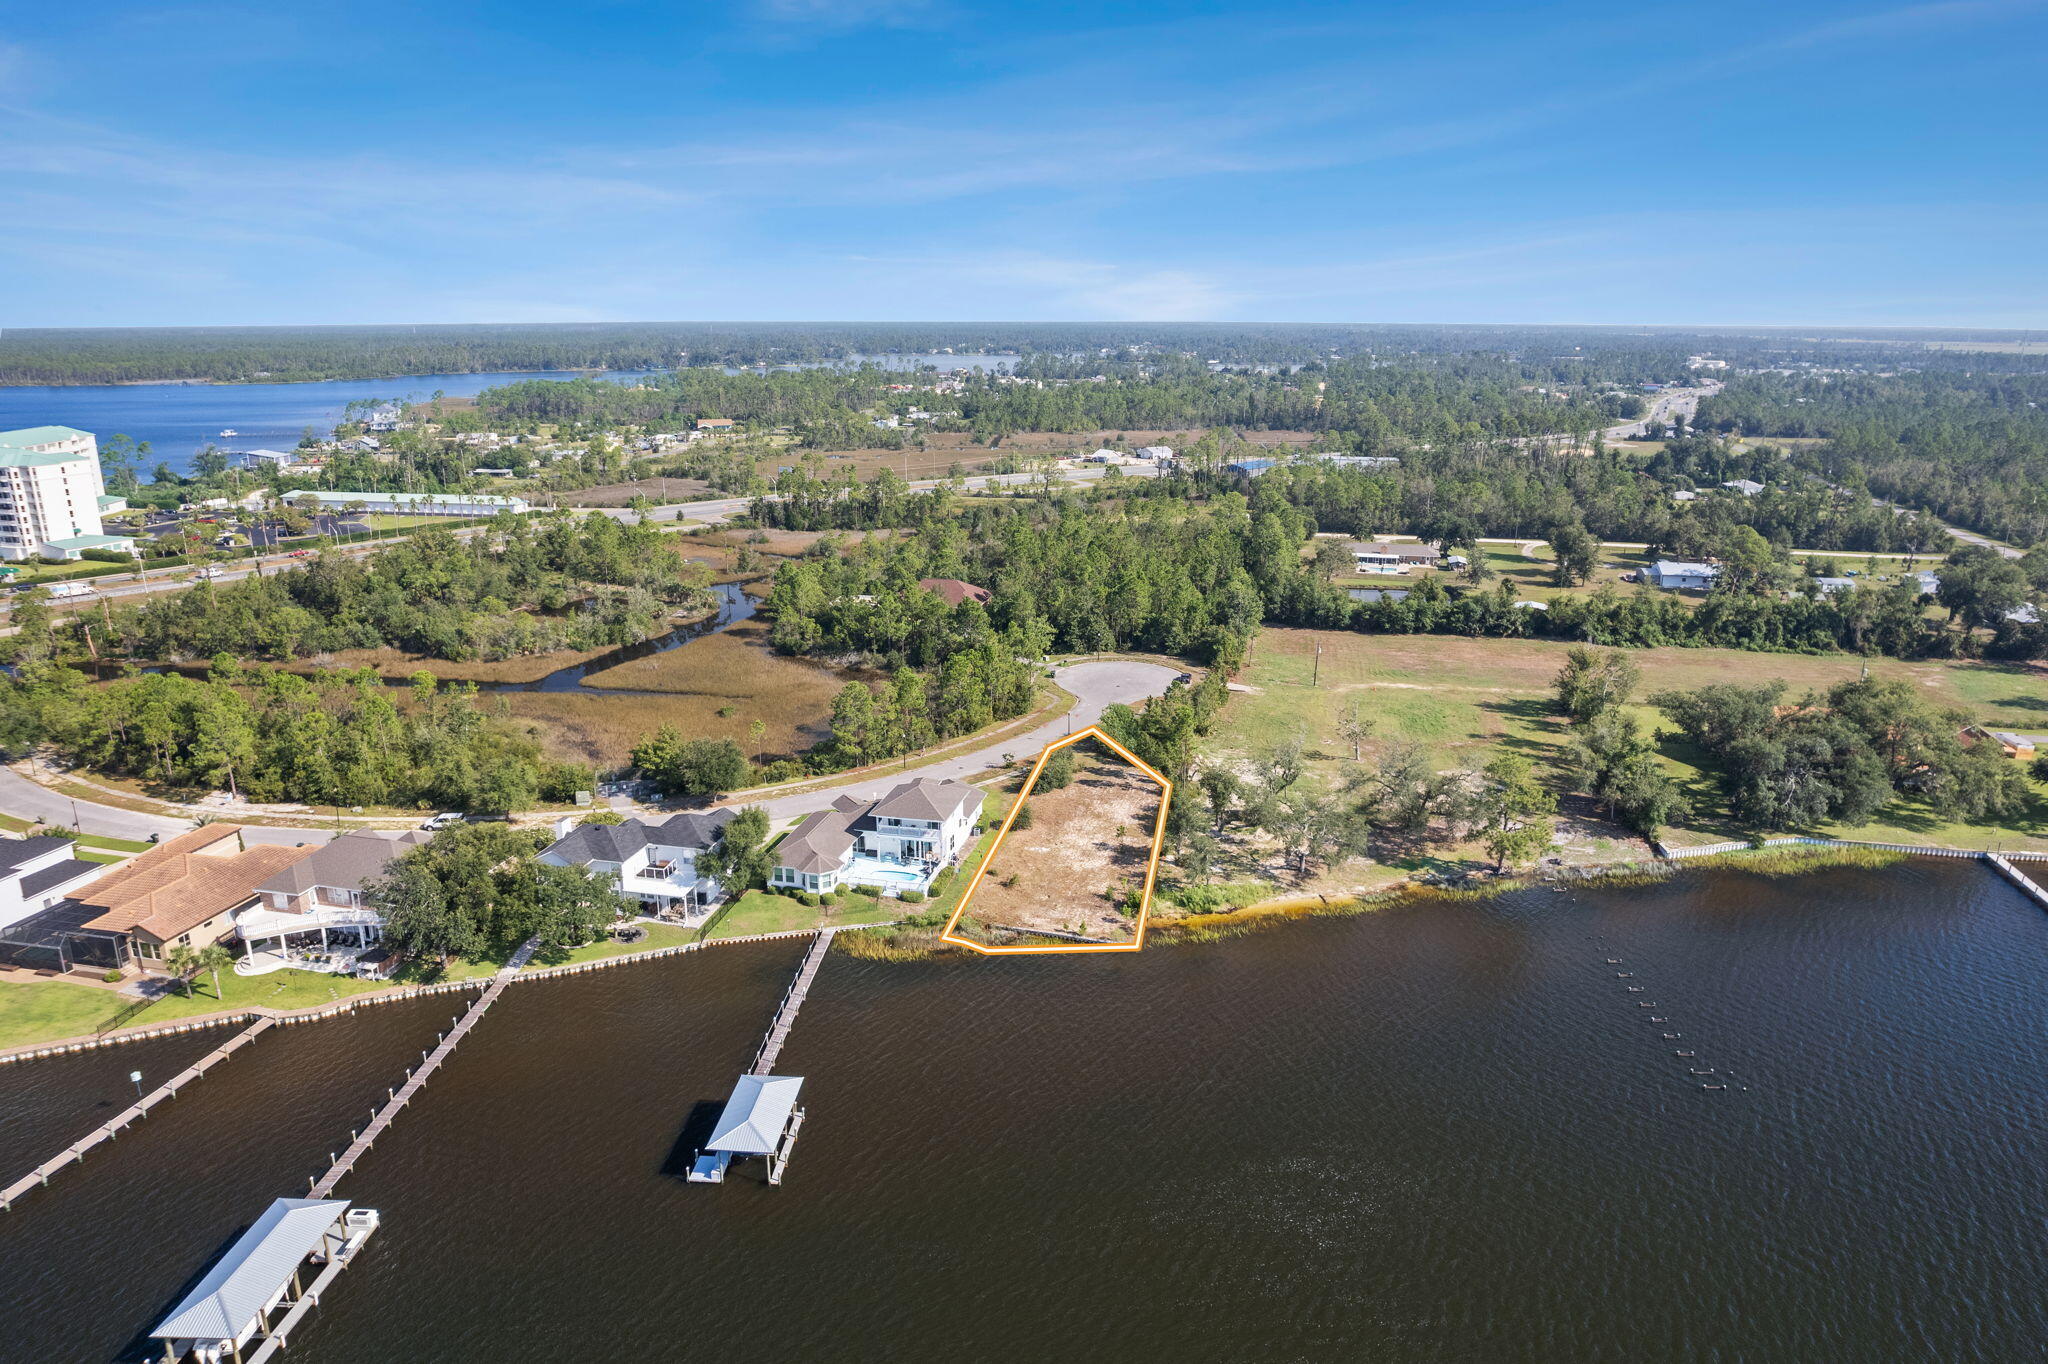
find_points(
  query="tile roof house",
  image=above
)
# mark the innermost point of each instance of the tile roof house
(897, 843)
(36, 873)
(652, 862)
(184, 892)
(953, 591)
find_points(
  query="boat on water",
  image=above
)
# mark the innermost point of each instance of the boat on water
(231, 432)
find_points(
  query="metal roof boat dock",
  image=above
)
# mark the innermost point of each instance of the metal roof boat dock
(760, 1119)
(264, 1270)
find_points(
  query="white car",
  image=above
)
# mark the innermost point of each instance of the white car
(446, 819)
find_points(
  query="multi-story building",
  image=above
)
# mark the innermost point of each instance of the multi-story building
(51, 495)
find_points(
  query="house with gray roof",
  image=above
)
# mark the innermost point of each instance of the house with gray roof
(895, 843)
(36, 873)
(314, 910)
(652, 862)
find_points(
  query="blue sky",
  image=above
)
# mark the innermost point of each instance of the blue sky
(932, 159)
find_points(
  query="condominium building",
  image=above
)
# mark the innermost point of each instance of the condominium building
(51, 495)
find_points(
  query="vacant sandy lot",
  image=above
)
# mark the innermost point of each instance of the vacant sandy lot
(1085, 841)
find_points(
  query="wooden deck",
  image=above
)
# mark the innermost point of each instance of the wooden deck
(135, 1112)
(323, 1187)
(785, 1013)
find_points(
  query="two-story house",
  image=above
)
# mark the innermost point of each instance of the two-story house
(36, 873)
(897, 843)
(654, 863)
(316, 904)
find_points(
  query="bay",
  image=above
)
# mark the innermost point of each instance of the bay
(1440, 1132)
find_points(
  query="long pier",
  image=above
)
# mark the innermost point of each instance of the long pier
(323, 1187)
(134, 1113)
(792, 1000)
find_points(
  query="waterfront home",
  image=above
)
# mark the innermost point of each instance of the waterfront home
(1676, 573)
(653, 863)
(953, 591)
(50, 495)
(183, 893)
(36, 873)
(312, 913)
(897, 843)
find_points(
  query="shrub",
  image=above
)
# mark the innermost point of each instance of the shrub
(804, 897)
(110, 976)
(1010, 881)
(1023, 819)
(912, 897)
(941, 881)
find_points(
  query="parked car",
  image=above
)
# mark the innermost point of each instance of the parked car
(300, 554)
(447, 819)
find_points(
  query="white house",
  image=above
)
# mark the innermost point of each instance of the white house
(257, 459)
(1684, 495)
(1672, 573)
(1926, 582)
(50, 491)
(1161, 453)
(655, 864)
(1344, 461)
(36, 873)
(1747, 487)
(897, 843)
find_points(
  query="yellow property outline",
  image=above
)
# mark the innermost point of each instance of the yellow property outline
(1151, 864)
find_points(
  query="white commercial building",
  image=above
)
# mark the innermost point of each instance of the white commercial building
(418, 504)
(50, 494)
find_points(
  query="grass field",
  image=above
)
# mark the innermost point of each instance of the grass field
(1460, 698)
(41, 1011)
(760, 911)
(714, 687)
(658, 935)
(285, 989)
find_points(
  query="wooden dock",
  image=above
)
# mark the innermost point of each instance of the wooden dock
(323, 1187)
(792, 1000)
(135, 1112)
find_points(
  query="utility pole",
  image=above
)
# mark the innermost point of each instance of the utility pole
(1316, 678)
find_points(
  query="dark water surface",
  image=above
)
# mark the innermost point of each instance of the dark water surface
(1441, 1133)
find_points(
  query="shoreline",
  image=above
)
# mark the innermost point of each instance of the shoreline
(918, 943)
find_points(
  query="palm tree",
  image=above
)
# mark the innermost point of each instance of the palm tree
(183, 961)
(212, 958)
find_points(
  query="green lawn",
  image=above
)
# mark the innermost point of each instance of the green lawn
(41, 1011)
(106, 844)
(287, 989)
(1462, 698)
(658, 935)
(760, 911)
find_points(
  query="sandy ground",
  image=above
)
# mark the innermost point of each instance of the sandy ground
(1084, 838)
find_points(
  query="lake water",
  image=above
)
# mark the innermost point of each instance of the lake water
(179, 419)
(1437, 1133)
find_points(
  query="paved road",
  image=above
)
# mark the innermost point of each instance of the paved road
(1095, 686)
(1663, 407)
(20, 796)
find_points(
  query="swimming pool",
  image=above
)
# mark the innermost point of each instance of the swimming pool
(872, 871)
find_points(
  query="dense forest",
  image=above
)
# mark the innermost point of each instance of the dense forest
(1971, 447)
(339, 739)
(519, 587)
